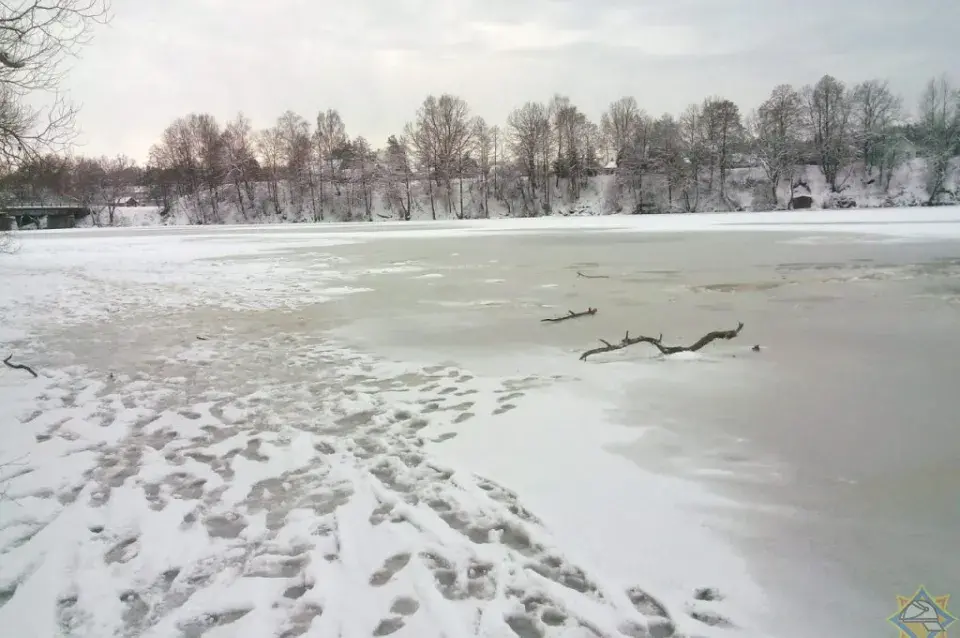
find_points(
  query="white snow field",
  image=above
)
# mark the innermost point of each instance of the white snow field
(349, 431)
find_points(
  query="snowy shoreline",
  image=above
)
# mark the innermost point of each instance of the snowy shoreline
(206, 451)
(193, 516)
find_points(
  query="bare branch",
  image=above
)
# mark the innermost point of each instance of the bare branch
(19, 366)
(657, 342)
(571, 315)
(37, 37)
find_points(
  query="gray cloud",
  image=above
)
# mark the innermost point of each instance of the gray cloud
(375, 60)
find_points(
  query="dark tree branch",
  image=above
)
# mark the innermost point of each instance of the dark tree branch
(657, 342)
(570, 315)
(38, 38)
(580, 274)
(19, 366)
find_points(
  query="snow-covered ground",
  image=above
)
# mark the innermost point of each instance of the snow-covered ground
(365, 430)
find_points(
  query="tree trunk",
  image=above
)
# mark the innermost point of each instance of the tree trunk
(243, 210)
(433, 204)
(323, 199)
(486, 198)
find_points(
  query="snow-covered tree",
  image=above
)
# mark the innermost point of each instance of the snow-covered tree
(297, 152)
(666, 154)
(330, 139)
(618, 125)
(939, 132)
(694, 156)
(775, 130)
(483, 141)
(530, 141)
(239, 161)
(270, 149)
(398, 176)
(722, 135)
(634, 160)
(828, 110)
(877, 113)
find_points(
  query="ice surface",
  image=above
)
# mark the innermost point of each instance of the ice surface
(365, 430)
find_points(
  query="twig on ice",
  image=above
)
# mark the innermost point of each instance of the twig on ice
(657, 342)
(580, 274)
(571, 315)
(19, 366)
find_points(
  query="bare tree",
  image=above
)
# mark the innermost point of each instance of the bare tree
(364, 165)
(590, 142)
(443, 133)
(828, 117)
(209, 141)
(162, 175)
(561, 112)
(530, 135)
(270, 148)
(398, 176)
(424, 150)
(775, 130)
(39, 177)
(37, 37)
(113, 184)
(178, 154)
(88, 175)
(497, 146)
(667, 154)
(331, 139)
(484, 144)
(694, 156)
(239, 161)
(876, 111)
(572, 137)
(634, 160)
(722, 133)
(296, 152)
(939, 132)
(618, 125)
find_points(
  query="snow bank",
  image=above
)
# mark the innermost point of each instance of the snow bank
(747, 190)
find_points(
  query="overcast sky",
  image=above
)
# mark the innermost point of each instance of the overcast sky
(376, 60)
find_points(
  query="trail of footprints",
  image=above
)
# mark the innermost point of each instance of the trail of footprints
(507, 563)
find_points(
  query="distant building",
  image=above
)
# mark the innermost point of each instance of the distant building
(126, 202)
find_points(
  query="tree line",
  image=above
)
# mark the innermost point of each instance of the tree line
(450, 162)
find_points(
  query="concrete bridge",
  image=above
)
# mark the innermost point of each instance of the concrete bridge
(60, 215)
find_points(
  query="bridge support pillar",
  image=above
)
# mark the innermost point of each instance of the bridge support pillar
(7, 223)
(61, 221)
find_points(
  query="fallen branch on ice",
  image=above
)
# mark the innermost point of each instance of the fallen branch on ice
(571, 315)
(18, 366)
(580, 274)
(657, 342)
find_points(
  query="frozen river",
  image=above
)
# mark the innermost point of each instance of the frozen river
(206, 396)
